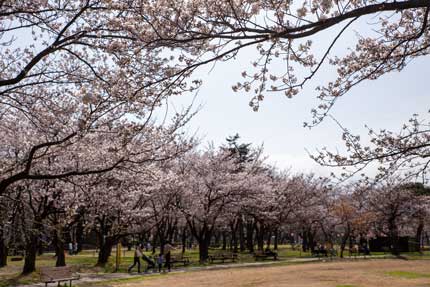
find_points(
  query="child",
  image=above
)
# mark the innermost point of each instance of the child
(160, 262)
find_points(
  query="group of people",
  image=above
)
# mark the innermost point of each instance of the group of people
(159, 260)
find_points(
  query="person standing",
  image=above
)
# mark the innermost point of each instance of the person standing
(75, 247)
(137, 255)
(167, 251)
(70, 248)
(160, 262)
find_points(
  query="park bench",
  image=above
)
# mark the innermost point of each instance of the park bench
(17, 255)
(265, 254)
(57, 274)
(319, 253)
(180, 258)
(223, 256)
(357, 251)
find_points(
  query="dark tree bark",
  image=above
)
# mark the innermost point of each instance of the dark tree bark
(105, 244)
(345, 239)
(241, 236)
(275, 244)
(394, 236)
(203, 235)
(203, 250)
(80, 235)
(105, 252)
(154, 243)
(234, 242)
(250, 236)
(30, 254)
(3, 252)
(419, 234)
(259, 234)
(224, 240)
(311, 240)
(305, 243)
(184, 239)
(59, 248)
(269, 239)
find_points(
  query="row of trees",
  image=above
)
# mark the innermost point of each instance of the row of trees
(227, 196)
(81, 81)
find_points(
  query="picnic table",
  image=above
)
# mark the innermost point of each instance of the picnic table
(265, 254)
(180, 258)
(57, 274)
(223, 256)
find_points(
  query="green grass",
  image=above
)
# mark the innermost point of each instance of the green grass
(407, 274)
(18, 280)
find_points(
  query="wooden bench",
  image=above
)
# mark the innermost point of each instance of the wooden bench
(358, 251)
(57, 274)
(265, 254)
(225, 256)
(179, 258)
(319, 253)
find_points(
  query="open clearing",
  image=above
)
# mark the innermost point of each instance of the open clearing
(369, 273)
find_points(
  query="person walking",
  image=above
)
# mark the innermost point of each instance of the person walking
(137, 255)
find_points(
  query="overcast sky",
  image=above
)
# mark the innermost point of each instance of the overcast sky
(386, 103)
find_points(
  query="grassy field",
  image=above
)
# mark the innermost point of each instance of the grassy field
(85, 262)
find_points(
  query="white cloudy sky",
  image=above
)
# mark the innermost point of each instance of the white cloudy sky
(386, 103)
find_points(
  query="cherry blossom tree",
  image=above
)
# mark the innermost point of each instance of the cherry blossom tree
(108, 90)
(394, 207)
(210, 31)
(213, 184)
(205, 32)
(405, 153)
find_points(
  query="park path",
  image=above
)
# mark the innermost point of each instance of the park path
(106, 277)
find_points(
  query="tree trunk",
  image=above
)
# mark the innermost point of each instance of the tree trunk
(30, 255)
(275, 244)
(234, 245)
(343, 244)
(80, 235)
(419, 235)
(305, 242)
(250, 236)
(269, 240)
(241, 236)
(59, 248)
(344, 240)
(154, 243)
(204, 248)
(311, 241)
(184, 239)
(3, 252)
(259, 233)
(104, 253)
(224, 240)
(394, 238)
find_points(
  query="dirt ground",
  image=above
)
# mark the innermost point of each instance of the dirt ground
(369, 273)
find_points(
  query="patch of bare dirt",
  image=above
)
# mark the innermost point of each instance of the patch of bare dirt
(369, 273)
